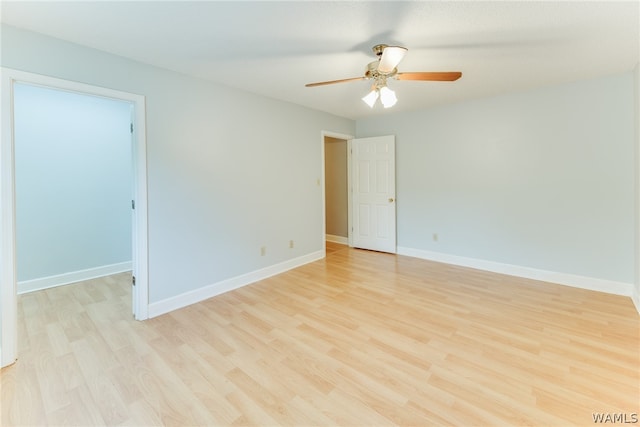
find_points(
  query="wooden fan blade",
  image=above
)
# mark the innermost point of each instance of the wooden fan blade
(443, 76)
(334, 81)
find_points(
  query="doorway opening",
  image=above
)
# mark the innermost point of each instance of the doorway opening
(73, 186)
(335, 189)
(371, 191)
(15, 83)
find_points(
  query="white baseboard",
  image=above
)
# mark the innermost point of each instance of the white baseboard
(72, 277)
(337, 239)
(635, 297)
(201, 294)
(590, 283)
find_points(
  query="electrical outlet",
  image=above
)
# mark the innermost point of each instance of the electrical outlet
(435, 237)
(291, 244)
(263, 251)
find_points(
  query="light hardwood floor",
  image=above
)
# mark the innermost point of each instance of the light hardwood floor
(361, 338)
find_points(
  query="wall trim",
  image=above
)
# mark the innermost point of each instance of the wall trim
(337, 239)
(583, 282)
(74, 276)
(206, 292)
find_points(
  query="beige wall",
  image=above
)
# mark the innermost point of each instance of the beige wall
(335, 154)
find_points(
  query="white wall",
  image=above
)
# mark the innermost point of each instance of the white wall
(636, 288)
(541, 179)
(228, 171)
(73, 182)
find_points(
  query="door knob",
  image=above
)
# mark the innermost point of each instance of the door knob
(390, 199)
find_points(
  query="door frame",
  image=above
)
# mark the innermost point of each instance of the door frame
(8, 278)
(348, 139)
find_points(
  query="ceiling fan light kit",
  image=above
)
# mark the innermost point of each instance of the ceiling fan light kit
(386, 67)
(387, 97)
(371, 98)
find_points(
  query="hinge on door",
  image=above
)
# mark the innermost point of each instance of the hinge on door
(133, 280)
(131, 127)
(133, 204)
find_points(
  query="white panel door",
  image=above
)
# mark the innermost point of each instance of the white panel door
(374, 193)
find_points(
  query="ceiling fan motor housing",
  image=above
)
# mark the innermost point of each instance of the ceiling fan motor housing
(373, 72)
(378, 49)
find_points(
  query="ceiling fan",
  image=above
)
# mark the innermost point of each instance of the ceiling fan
(386, 68)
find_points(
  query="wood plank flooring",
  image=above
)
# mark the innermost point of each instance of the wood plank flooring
(358, 339)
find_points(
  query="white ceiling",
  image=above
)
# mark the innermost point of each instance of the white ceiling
(274, 48)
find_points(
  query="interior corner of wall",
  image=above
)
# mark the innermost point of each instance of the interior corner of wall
(635, 297)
